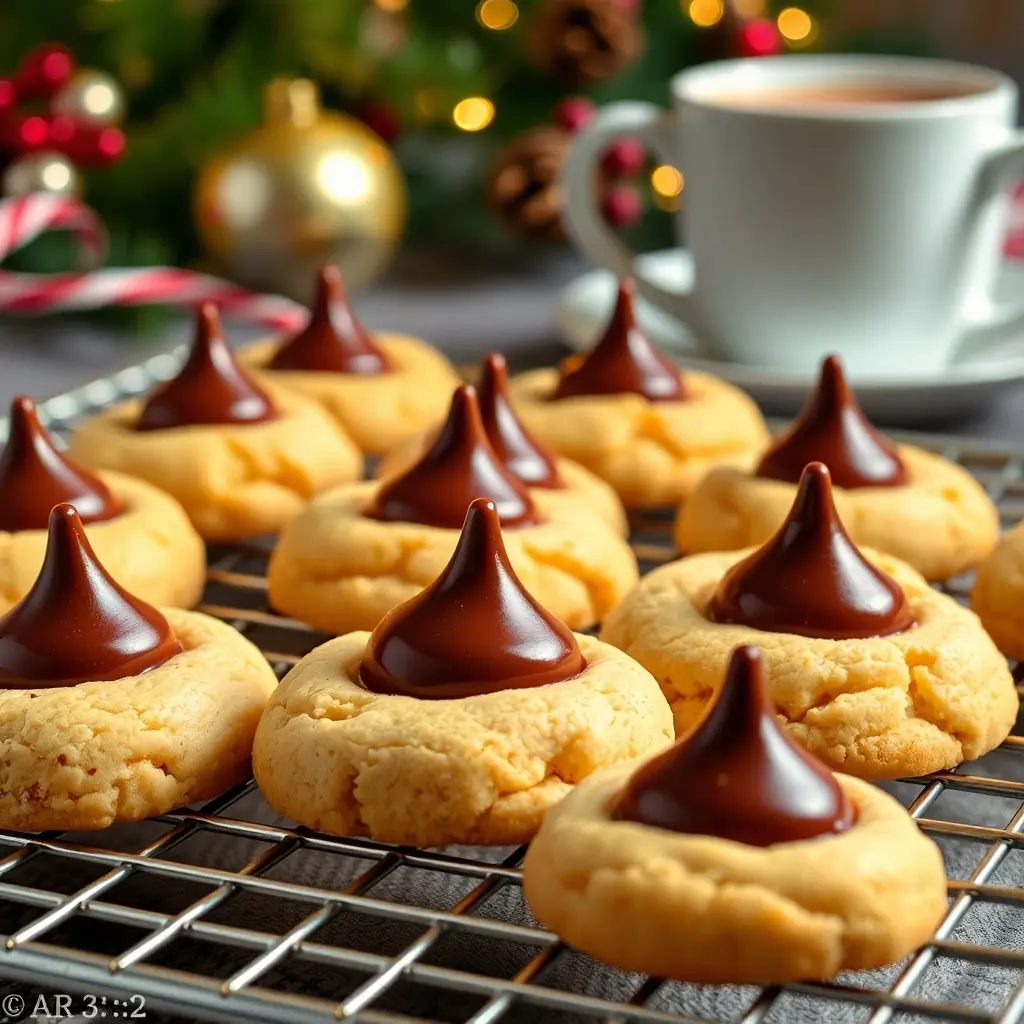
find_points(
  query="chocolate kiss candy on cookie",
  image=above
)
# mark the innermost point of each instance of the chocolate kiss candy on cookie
(333, 339)
(810, 579)
(459, 466)
(35, 476)
(831, 428)
(211, 388)
(520, 452)
(738, 775)
(474, 630)
(76, 624)
(623, 361)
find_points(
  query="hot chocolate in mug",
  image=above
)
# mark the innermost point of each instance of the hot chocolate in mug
(831, 204)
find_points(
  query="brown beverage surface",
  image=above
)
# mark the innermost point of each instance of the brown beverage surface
(840, 94)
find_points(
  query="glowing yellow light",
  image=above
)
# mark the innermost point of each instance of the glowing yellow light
(473, 113)
(56, 176)
(705, 13)
(666, 180)
(748, 8)
(344, 178)
(98, 99)
(497, 14)
(392, 5)
(795, 24)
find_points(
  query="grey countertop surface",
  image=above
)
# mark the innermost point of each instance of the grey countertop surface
(510, 310)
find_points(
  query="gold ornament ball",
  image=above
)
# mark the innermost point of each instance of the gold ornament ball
(91, 97)
(308, 187)
(40, 172)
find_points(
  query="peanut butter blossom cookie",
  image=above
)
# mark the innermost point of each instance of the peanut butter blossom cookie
(241, 458)
(467, 713)
(624, 412)
(360, 550)
(383, 389)
(109, 709)
(140, 533)
(898, 499)
(870, 668)
(735, 857)
(522, 454)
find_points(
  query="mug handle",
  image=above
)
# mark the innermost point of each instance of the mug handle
(653, 127)
(988, 319)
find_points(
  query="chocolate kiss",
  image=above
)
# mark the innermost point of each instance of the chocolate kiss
(831, 428)
(810, 578)
(76, 624)
(520, 452)
(623, 361)
(459, 466)
(474, 630)
(333, 339)
(35, 476)
(738, 775)
(210, 388)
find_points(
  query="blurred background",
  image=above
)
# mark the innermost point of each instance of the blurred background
(257, 138)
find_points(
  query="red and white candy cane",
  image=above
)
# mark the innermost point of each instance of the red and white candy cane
(26, 217)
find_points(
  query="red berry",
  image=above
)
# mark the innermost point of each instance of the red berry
(574, 113)
(63, 129)
(758, 37)
(30, 133)
(622, 206)
(92, 146)
(624, 158)
(44, 70)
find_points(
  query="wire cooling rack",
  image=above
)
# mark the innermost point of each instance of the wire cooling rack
(227, 913)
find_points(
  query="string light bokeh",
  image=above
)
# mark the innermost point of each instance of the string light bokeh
(473, 114)
(497, 15)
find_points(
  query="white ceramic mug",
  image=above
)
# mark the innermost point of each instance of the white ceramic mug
(872, 229)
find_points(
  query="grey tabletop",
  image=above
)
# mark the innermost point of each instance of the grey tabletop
(509, 309)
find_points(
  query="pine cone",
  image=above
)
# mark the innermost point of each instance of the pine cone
(523, 188)
(584, 41)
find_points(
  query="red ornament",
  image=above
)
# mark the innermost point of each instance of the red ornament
(44, 70)
(622, 206)
(574, 113)
(90, 145)
(383, 119)
(624, 159)
(758, 37)
(30, 133)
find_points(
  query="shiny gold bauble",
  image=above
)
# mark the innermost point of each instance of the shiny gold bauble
(40, 172)
(91, 97)
(308, 187)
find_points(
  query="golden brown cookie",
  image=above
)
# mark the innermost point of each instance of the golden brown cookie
(242, 459)
(895, 498)
(338, 569)
(940, 522)
(109, 709)
(383, 389)
(711, 910)
(361, 549)
(150, 548)
(998, 594)
(579, 483)
(873, 671)
(653, 453)
(466, 714)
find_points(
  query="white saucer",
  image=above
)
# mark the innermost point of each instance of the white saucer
(956, 391)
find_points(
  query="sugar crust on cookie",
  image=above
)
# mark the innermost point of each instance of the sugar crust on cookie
(711, 910)
(338, 570)
(879, 708)
(233, 480)
(378, 411)
(341, 759)
(941, 522)
(652, 453)
(83, 757)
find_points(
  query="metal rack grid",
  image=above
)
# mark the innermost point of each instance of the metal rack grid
(229, 914)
